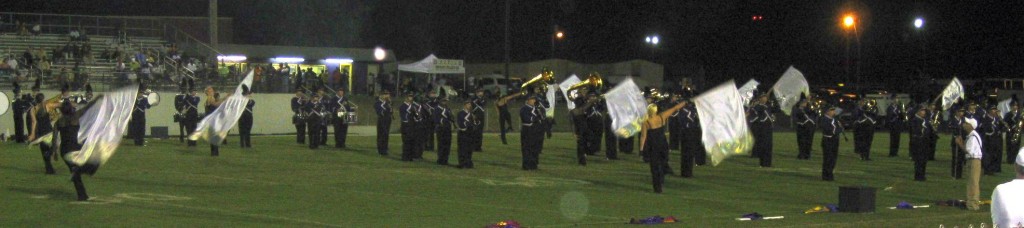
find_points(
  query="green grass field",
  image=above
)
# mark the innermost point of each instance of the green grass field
(279, 183)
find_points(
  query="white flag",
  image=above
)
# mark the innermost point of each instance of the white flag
(724, 122)
(550, 110)
(747, 91)
(572, 80)
(627, 107)
(953, 92)
(1004, 107)
(102, 127)
(214, 128)
(788, 89)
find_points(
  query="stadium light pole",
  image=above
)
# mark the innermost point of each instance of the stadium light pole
(919, 29)
(380, 55)
(849, 23)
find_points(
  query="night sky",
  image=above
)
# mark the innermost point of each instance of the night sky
(969, 39)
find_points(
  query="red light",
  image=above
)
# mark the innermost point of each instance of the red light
(756, 18)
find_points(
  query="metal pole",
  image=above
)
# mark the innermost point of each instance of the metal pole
(508, 58)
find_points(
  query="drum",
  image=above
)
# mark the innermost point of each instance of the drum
(351, 118)
(5, 103)
(154, 99)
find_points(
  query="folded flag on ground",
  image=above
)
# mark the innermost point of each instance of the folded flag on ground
(819, 208)
(757, 216)
(657, 219)
(505, 224)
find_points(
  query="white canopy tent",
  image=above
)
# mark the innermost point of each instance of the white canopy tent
(432, 66)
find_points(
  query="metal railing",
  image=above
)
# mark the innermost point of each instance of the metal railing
(122, 28)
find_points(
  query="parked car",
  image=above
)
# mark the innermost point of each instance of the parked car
(495, 85)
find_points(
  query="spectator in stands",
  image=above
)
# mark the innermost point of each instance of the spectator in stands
(65, 76)
(68, 51)
(27, 57)
(12, 63)
(81, 35)
(37, 29)
(22, 31)
(44, 67)
(73, 35)
(146, 72)
(87, 53)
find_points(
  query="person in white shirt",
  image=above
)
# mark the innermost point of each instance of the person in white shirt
(972, 148)
(1007, 200)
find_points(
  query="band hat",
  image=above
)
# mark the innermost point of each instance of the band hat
(972, 122)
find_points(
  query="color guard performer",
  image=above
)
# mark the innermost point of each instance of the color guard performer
(21, 105)
(505, 117)
(40, 125)
(384, 115)
(653, 141)
(467, 124)
(246, 120)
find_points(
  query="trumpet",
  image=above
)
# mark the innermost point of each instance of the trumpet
(593, 81)
(541, 80)
(1016, 129)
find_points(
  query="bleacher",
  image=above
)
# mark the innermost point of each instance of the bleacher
(101, 69)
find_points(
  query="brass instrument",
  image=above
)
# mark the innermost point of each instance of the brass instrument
(546, 77)
(1016, 129)
(871, 106)
(903, 111)
(593, 81)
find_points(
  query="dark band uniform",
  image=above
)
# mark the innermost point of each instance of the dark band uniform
(443, 121)
(298, 103)
(20, 108)
(864, 132)
(384, 115)
(314, 113)
(920, 136)
(408, 113)
(581, 130)
(805, 126)
(340, 104)
(959, 158)
(690, 140)
(1011, 119)
(191, 116)
(467, 124)
(761, 125)
(831, 130)
(894, 119)
(991, 130)
(478, 110)
(137, 124)
(595, 124)
(532, 135)
(179, 116)
(428, 122)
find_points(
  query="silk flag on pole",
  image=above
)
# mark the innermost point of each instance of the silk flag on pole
(550, 110)
(214, 128)
(953, 92)
(1004, 107)
(788, 89)
(747, 91)
(102, 126)
(572, 80)
(627, 108)
(724, 122)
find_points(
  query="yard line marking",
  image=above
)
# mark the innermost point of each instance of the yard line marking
(243, 213)
(469, 204)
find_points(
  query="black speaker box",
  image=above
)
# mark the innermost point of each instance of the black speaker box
(857, 199)
(158, 132)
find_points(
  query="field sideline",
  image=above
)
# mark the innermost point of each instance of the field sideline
(281, 183)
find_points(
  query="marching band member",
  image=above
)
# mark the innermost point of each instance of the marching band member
(21, 106)
(428, 119)
(325, 118)
(384, 115)
(478, 110)
(314, 111)
(246, 120)
(191, 112)
(298, 103)
(179, 108)
(581, 129)
(407, 112)
(920, 136)
(991, 130)
(137, 124)
(761, 125)
(1012, 119)
(443, 122)
(957, 133)
(418, 129)
(467, 123)
(894, 120)
(341, 104)
(864, 132)
(804, 118)
(830, 131)
(532, 133)
(595, 123)
(690, 139)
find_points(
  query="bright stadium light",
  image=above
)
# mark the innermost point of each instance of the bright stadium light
(849, 21)
(379, 54)
(918, 23)
(655, 40)
(231, 58)
(288, 60)
(338, 60)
